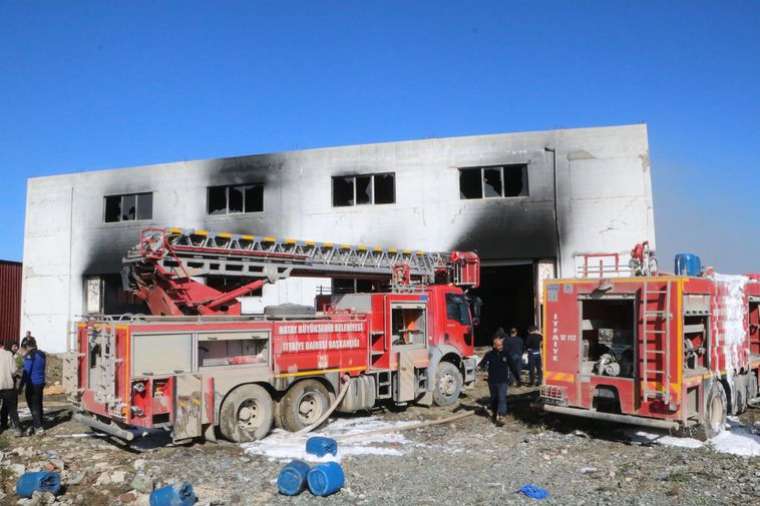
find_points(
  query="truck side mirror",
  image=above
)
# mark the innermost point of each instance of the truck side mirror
(476, 303)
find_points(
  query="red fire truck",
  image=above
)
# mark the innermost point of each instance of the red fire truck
(665, 351)
(197, 365)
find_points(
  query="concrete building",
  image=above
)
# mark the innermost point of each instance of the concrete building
(530, 203)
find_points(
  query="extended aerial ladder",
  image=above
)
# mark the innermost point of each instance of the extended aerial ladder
(165, 267)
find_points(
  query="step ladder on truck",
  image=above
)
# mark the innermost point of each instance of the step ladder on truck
(198, 367)
(669, 351)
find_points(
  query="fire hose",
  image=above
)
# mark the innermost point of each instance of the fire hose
(345, 379)
(416, 425)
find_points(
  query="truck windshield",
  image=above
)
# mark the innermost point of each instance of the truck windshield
(456, 308)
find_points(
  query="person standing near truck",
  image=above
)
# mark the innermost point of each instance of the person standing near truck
(8, 392)
(33, 380)
(513, 346)
(496, 363)
(533, 344)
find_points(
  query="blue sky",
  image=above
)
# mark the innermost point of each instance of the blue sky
(87, 85)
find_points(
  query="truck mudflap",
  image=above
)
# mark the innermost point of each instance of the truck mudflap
(108, 428)
(613, 417)
(469, 365)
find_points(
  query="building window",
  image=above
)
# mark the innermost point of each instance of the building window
(493, 182)
(364, 189)
(131, 207)
(237, 199)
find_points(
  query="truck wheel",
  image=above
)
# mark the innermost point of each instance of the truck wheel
(246, 414)
(303, 404)
(448, 384)
(742, 392)
(714, 418)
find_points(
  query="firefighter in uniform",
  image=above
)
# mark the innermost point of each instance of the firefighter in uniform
(533, 343)
(496, 362)
(513, 346)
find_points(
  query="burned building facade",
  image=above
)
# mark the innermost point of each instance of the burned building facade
(533, 205)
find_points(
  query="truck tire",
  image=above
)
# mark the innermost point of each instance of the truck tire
(303, 404)
(246, 414)
(714, 417)
(448, 384)
(753, 392)
(742, 394)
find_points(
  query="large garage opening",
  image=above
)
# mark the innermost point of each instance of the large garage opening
(507, 292)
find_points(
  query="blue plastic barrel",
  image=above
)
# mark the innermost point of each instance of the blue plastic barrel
(320, 446)
(688, 264)
(180, 494)
(292, 478)
(44, 481)
(326, 479)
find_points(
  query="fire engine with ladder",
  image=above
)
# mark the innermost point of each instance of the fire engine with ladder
(675, 352)
(196, 365)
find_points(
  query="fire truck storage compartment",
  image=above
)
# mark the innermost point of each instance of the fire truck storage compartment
(696, 332)
(608, 327)
(232, 348)
(754, 325)
(408, 327)
(161, 354)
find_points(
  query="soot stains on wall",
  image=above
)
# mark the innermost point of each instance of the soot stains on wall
(499, 234)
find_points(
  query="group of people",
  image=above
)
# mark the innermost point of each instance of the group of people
(21, 368)
(503, 364)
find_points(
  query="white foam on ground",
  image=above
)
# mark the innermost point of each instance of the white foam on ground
(736, 439)
(642, 436)
(349, 432)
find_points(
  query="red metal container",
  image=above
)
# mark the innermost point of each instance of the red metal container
(10, 301)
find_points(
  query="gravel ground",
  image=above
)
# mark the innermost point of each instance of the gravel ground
(470, 461)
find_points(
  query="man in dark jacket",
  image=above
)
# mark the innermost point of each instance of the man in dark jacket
(533, 343)
(496, 363)
(33, 381)
(513, 346)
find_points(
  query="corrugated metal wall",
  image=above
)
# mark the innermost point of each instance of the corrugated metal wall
(10, 301)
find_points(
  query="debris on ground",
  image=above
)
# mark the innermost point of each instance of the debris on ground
(468, 462)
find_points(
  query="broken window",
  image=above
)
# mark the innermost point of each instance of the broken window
(495, 181)
(516, 180)
(217, 200)
(343, 191)
(385, 189)
(492, 182)
(130, 207)
(364, 189)
(145, 206)
(470, 184)
(113, 208)
(235, 199)
(254, 198)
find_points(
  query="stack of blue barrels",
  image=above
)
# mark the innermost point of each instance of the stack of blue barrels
(321, 480)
